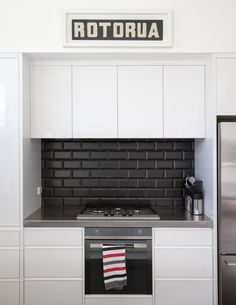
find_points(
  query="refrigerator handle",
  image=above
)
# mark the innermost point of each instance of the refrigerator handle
(230, 264)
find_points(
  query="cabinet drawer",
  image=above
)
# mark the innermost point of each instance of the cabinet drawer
(53, 237)
(183, 292)
(9, 238)
(9, 293)
(53, 263)
(183, 237)
(9, 263)
(59, 292)
(183, 263)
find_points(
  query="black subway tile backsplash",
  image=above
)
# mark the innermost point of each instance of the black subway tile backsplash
(125, 171)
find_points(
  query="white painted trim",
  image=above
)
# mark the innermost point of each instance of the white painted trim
(29, 279)
(183, 279)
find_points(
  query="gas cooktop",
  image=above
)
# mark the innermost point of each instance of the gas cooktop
(118, 212)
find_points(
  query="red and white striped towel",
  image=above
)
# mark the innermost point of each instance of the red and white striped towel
(114, 266)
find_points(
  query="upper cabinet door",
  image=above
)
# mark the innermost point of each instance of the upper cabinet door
(51, 102)
(95, 102)
(226, 86)
(140, 102)
(9, 147)
(184, 100)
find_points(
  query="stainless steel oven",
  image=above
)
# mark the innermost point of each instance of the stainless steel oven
(138, 245)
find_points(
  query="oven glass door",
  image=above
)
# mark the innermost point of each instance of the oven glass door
(138, 267)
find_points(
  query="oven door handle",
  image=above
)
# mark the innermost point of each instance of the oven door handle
(134, 246)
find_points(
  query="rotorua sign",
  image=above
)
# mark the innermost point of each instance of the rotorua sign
(119, 29)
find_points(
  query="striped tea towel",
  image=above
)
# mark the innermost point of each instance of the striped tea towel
(114, 266)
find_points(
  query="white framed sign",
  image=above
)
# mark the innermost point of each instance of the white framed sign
(118, 29)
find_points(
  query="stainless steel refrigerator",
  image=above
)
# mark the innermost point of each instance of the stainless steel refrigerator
(227, 212)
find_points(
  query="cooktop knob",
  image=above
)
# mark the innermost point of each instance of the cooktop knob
(112, 213)
(130, 213)
(105, 213)
(123, 213)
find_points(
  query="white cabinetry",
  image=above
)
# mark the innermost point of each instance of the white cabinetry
(184, 102)
(51, 102)
(140, 103)
(226, 86)
(183, 262)
(10, 141)
(53, 266)
(95, 102)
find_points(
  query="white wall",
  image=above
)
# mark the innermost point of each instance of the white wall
(199, 25)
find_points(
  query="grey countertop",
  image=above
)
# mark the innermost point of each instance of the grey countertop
(59, 217)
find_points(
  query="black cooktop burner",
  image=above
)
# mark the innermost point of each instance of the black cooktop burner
(117, 211)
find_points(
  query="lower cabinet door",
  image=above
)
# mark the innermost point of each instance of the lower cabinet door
(53, 292)
(183, 292)
(9, 293)
(9, 263)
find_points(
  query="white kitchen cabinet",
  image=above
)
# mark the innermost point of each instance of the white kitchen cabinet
(51, 102)
(9, 292)
(140, 102)
(53, 292)
(53, 266)
(9, 263)
(226, 86)
(184, 101)
(10, 141)
(183, 266)
(183, 292)
(95, 102)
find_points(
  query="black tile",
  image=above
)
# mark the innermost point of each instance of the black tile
(90, 145)
(139, 155)
(163, 183)
(118, 173)
(118, 155)
(100, 173)
(173, 155)
(81, 192)
(128, 145)
(53, 164)
(146, 164)
(47, 173)
(62, 173)
(146, 183)
(81, 155)
(90, 164)
(118, 192)
(71, 164)
(183, 164)
(178, 203)
(155, 155)
(109, 164)
(188, 155)
(137, 173)
(174, 193)
(174, 173)
(146, 145)
(155, 193)
(178, 183)
(81, 173)
(62, 155)
(62, 192)
(52, 183)
(155, 173)
(47, 155)
(137, 192)
(109, 145)
(164, 203)
(90, 183)
(164, 164)
(72, 183)
(100, 155)
(109, 183)
(71, 201)
(164, 145)
(53, 201)
(47, 192)
(126, 183)
(128, 164)
(99, 192)
(188, 172)
(72, 145)
(183, 145)
(53, 146)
